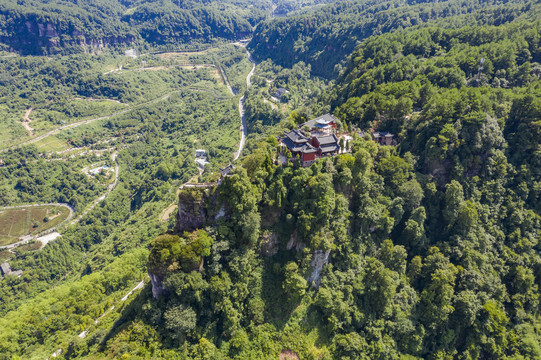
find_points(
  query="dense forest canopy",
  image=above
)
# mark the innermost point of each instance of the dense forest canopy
(324, 37)
(426, 249)
(36, 27)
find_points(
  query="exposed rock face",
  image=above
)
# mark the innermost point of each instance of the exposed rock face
(36, 36)
(319, 259)
(192, 210)
(294, 242)
(270, 244)
(157, 285)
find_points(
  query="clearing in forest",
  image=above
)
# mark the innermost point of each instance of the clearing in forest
(15, 223)
(167, 212)
(27, 121)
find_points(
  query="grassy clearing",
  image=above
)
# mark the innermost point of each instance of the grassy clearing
(32, 246)
(15, 223)
(54, 114)
(50, 144)
(11, 126)
(5, 255)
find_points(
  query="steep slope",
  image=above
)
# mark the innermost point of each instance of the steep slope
(325, 37)
(424, 250)
(38, 27)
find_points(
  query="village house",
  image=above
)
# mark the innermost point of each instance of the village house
(226, 170)
(201, 158)
(5, 270)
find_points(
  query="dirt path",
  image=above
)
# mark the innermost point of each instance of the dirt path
(83, 122)
(27, 121)
(92, 99)
(167, 213)
(101, 198)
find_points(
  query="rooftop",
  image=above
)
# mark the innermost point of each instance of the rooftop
(322, 120)
(330, 148)
(327, 140)
(296, 136)
(296, 147)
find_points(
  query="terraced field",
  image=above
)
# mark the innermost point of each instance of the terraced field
(15, 223)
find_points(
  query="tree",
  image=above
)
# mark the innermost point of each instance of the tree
(180, 321)
(294, 284)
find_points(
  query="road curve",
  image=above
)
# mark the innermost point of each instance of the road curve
(101, 198)
(22, 242)
(244, 128)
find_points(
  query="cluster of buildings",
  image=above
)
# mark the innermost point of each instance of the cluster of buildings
(317, 139)
(201, 158)
(322, 141)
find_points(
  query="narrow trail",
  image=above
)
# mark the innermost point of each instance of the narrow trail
(101, 198)
(83, 122)
(27, 121)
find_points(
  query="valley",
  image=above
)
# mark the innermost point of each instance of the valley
(276, 179)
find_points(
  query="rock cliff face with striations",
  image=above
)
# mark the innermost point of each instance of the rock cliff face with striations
(196, 208)
(32, 35)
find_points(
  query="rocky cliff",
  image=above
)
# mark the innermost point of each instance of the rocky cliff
(32, 35)
(196, 208)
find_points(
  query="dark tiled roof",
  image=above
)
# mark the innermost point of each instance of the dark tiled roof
(323, 119)
(304, 148)
(329, 148)
(6, 269)
(327, 140)
(225, 171)
(309, 149)
(296, 137)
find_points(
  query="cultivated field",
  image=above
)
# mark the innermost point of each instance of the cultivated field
(15, 223)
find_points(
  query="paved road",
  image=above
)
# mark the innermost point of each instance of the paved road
(244, 128)
(30, 238)
(83, 122)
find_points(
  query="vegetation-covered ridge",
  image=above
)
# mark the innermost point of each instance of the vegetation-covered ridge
(38, 27)
(425, 250)
(325, 37)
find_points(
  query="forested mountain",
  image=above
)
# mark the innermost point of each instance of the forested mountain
(37, 27)
(426, 249)
(325, 37)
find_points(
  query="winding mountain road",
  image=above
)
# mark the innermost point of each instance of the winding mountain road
(101, 198)
(27, 240)
(244, 128)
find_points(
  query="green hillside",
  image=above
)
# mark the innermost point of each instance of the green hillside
(325, 37)
(427, 248)
(42, 27)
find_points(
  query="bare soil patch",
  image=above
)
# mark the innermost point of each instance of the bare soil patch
(27, 121)
(287, 354)
(167, 212)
